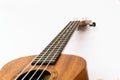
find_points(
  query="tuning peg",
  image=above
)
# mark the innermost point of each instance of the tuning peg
(93, 24)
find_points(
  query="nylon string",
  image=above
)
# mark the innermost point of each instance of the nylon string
(39, 65)
(35, 58)
(43, 63)
(48, 64)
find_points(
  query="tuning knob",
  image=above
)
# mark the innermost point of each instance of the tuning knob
(93, 24)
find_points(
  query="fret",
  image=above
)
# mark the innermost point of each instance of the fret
(59, 35)
(49, 54)
(39, 56)
(46, 62)
(65, 38)
(52, 50)
(45, 59)
(48, 58)
(52, 47)
(56, 46)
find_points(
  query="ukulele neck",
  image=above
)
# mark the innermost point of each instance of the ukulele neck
(54, 49)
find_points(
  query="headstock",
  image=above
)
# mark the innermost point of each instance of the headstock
(87, 23)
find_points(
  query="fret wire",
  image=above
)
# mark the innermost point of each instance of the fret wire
(58, 50)
(55, 54)
(66, 39)
(45, 58)
(68, 36)
(30, 69)
(56, 42)
(59, 35)
(62, 40)
(51, 43)
(70, 23)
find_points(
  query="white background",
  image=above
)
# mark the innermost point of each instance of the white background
(27, 26)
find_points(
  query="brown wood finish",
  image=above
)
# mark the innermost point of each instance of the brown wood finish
(0, 77)
(68, 67)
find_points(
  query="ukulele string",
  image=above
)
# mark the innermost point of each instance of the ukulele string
(47, 57)
(54, 56)
(25, 68)
(41, 56)
(36, 57)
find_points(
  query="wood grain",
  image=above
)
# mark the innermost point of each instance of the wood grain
(68, 67)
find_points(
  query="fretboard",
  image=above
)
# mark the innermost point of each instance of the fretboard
(54, 49)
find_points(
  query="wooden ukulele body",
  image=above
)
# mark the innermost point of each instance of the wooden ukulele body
(68, 67)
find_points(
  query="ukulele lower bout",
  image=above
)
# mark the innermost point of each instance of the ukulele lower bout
(68, 67)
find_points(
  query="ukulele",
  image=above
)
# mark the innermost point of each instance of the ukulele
(50, 64)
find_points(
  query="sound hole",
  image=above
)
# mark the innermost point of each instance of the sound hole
(45, 75)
